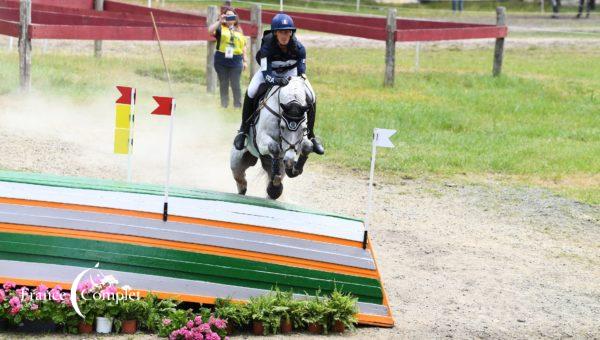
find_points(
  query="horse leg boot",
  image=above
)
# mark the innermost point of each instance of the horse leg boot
(240, 140)
(275, 187)
(317, 146)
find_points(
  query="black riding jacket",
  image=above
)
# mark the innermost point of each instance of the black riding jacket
(273, 61)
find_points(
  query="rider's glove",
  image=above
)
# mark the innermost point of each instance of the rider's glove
(281, 81)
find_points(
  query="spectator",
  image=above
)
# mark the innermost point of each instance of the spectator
(230, 57)
(457, 5)
(555, 8)
(589, 6)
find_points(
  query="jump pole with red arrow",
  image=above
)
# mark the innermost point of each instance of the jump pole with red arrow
(166, 106)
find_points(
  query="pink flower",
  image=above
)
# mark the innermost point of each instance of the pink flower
(2, 296)
(15, 310)
(166, 322)
(21, 292)
(198, 336)
(55, 294)
(190, 324)
(34, 306)
(198, 320)
(221, 324)
(40, 295)
(204, 327)
(9, 285)
(85, 286)
(212, 336)
(108, 292)
(15, 302)
(211, 320)
(67, 299)
(41, 288)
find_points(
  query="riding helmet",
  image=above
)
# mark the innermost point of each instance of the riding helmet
(282, 22)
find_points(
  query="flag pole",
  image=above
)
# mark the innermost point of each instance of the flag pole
(166, 203)
(131, 122)
(370, 197)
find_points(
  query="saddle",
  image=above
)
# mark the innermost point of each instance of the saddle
(263, 89)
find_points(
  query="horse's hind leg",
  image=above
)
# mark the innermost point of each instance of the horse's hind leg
(240, 162)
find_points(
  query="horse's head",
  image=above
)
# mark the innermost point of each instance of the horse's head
(294, 104)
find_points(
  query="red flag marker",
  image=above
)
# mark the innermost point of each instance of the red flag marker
(126, 96)
(165, 106)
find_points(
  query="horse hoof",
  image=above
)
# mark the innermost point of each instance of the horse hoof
(274, 191)
(293, 172)
(242, 192)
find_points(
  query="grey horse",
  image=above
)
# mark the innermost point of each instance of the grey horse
(277, 137)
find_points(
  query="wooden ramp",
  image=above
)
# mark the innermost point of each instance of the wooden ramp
(214, 244)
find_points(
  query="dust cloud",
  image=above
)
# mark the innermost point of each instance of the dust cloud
(40, 133)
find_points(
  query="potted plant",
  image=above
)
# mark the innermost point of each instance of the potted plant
(86, 325)
(131, 311)
(236, 314)
(157, 310)
(31, 312)
(315, 314)
(342, 310)
(4, 305)
(106, 311)
(284, 304)
(203, 326)
(174, 320)
(264, 319)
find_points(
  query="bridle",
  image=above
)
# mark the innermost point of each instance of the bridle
(291, 123)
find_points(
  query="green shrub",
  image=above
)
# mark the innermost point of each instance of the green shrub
(236, 314)
(315, 309)
(343, 307)
(262, 308)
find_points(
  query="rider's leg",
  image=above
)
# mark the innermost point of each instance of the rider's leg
(311, 118)
(247, 108)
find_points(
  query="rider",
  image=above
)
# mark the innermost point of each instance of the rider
(281, 56)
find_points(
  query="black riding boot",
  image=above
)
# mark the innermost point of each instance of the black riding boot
(317, 146)
(240, 140)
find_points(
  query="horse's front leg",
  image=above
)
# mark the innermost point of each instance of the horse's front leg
(270, 147)
(305, 149)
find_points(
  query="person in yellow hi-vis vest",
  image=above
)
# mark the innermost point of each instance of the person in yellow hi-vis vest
(230, 57)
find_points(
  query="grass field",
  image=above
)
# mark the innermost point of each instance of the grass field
(537, 124)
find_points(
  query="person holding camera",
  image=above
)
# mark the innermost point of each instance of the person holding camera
(230, 57)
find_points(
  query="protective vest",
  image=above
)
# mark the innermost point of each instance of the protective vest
(226, 37)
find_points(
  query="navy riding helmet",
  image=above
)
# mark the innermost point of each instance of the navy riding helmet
(282, 22)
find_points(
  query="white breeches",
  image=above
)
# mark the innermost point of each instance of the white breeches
(258, 79)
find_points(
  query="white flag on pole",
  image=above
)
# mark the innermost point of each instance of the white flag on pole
(382, 137)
